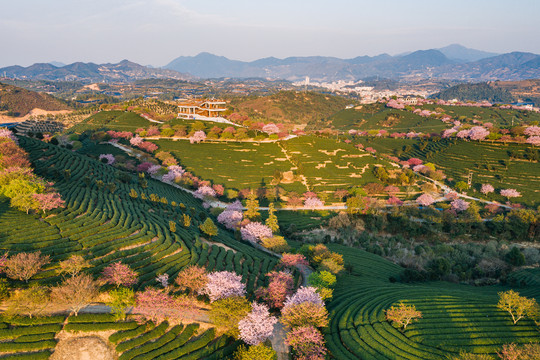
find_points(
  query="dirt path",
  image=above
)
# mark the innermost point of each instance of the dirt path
(304, 179)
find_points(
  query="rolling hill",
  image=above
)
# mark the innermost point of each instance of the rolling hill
(16, 101)
(89, 72)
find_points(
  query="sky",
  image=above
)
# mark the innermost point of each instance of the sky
(154, 32)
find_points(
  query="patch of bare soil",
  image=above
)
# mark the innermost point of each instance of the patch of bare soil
(83, 348)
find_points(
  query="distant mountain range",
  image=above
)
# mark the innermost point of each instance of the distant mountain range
(451, 62)
(90, 72)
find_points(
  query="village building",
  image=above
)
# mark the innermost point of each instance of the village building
(191, 109)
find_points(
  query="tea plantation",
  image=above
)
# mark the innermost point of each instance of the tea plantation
(454, 317)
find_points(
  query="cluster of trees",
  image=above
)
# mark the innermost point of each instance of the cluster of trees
(25, 190)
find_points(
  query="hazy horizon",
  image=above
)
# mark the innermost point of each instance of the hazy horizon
(157, 31)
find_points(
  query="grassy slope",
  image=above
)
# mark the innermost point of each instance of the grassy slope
(112, 120)
(455, 317)
(290, 106)
(21, 101)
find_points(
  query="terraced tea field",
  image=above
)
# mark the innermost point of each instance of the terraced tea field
(384, 118)
(112, 120)
(105, 226)
(235, 165)
(327, 165)
(489, 163)
(455, 317)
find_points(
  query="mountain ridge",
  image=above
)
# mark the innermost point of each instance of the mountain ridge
(450, 62)
(90, 72)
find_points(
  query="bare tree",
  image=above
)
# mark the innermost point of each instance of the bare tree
(76, 292)
(23, 266)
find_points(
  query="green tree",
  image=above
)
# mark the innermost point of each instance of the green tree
(172, 226)
(462, 186)
(209, 228)
(257, 352)
(252, 205)
(228, 312)
(120, 299)
(272, 221)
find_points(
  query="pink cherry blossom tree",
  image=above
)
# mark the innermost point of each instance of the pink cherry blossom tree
(204, 192)
(302, 295)
(224, 284)
(486, 189)
(136, 141)
(281, 285)
(292, 260)
(230, 218)
(270, 129)
(392, 200)
(510, 193)
(313, 203)
(478, 133)
(258, 325)
(459, 205)
(425, 200)
(255, 231)
(153, 169)
(532, 131)
(307, 343)
(119, 274)
(414, 161)
(153, 304)
(197, 137)
(49, 201)
(108, 157)
(534, 140)
(153, 131)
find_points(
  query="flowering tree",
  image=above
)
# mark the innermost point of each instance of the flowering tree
(534, 140)
(193, 278)
(224, 284)
(448, 132)
(163, 280)
(414, 161)
(204, 192)
(302, 295)
(532, 131)
(486, 189)
(403, 314)
(510, 193)
(304, 314)
(49, 201)
(119, 274)
(281, 286)
(197, 137)
(313, 202)
(395, 105)
(109, 158)
(136, 141)
(153, 131)
(292, 260)
(153, 304)
(23, 266)
(459, 205)
(230, 218)
(270, 129)
(143, 167)
(392, 200)
(148, 146)
(258, 325)
(307, 343)
(425, 200)
(478, 133)
(153, 169)
(255, 231)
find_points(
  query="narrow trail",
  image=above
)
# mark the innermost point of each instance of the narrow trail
(284, 151)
